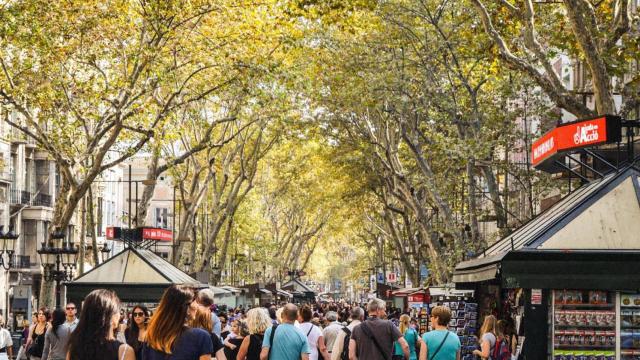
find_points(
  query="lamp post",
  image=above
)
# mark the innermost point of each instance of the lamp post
(105, 251)
(58, 258)
(7, 244)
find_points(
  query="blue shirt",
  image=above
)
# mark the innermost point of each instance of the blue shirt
(288, 343)
(217, 325)
(192, 344)
(411, 336)
(449, 349)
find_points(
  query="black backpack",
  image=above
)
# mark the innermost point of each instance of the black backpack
(345, 347)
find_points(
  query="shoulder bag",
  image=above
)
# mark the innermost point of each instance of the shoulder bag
(370, 335)
(439, 347)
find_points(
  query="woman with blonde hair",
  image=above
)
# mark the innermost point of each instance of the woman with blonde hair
(168, 336)
(487, 337)
(410, 335)
(258, 321)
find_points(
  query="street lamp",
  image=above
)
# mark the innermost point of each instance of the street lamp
(58, 258)
(7, 244)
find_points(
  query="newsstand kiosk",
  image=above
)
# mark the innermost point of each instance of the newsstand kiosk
(574, 270)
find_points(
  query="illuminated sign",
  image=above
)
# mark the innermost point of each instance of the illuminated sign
(576, 135)
(157, 234)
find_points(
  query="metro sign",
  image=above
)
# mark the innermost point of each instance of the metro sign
(575, 135)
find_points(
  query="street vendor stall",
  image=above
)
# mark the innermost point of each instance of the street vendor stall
(136, 275)
(570, 277)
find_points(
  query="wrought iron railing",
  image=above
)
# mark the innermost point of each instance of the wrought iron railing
(22, 197)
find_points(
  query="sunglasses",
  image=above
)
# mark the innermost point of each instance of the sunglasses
(138, 314)
(71, 308)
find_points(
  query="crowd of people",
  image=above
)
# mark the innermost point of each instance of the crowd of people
(186, 325)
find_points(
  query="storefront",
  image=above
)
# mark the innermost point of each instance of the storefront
(570, 278)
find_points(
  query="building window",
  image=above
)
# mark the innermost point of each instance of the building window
(161, 218)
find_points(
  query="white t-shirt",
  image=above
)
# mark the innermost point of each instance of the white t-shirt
(312, 333)
(5, 338)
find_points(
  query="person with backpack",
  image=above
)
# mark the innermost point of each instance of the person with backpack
(340, 349)
(410, 335)
(373, 339)
(440, 343)
(284, 341)
(487, 337)
(502, 349)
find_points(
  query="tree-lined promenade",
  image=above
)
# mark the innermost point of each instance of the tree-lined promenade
(331, 136)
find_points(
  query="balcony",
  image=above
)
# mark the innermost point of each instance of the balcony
(22, 262)
(21, 197)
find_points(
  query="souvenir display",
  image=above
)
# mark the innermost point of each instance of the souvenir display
(464, 322)
(630, 326)
(584, 325)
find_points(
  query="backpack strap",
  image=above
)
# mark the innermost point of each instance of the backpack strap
(311, 328)
(271, 337)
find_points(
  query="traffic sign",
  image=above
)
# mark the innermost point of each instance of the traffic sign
(392, 277)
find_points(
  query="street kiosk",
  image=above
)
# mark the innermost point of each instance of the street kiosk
(570, 277)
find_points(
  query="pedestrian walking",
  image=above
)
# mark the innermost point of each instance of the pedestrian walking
(410, 335)
(317, 347)
(224, 326)
(6, 343)
(287, 341)
(340, 349)
(35, 344)
(201, 319)
(440, 343)
(70, 312)
(205, 300)
(168, 337)
(487, 337)
(93, 337)
(57, 337)
(136, 333)
(257, 322)
(373, 339)
(331, 331)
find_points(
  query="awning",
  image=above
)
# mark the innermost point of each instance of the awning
(232, 289)
(562, 246)
(265, 291)
(404, 292)
(220, 292)
(551, 269)
(286, 294)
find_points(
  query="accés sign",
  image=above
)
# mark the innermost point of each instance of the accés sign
(575, 135)
(157, 234)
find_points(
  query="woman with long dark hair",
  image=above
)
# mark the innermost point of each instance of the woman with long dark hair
(93, 338)
(136, 333)
(56, 338)
(168, 336)
(35, 344)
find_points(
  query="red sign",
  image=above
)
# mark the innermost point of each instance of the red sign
(110, 233)
(157, 234)
(418, 298)
(575, 135)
